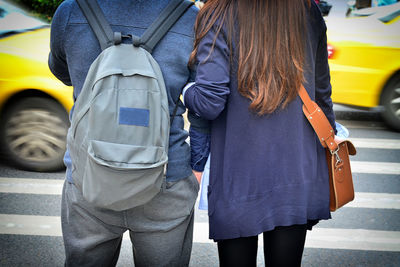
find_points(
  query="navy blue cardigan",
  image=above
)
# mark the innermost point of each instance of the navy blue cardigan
(270, 170)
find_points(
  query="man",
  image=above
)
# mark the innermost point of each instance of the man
(161, 230)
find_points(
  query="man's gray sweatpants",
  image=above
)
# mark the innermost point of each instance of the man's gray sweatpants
(161, 230)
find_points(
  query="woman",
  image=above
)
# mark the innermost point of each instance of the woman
(268, 172)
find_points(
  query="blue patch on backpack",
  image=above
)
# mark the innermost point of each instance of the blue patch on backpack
(134, 116)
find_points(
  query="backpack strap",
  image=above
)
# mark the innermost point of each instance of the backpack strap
(170, 14)
(98, 22)
(156, 31)
(150, 38)
(106, 37)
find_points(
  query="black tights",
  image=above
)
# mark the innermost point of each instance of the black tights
(283, 247)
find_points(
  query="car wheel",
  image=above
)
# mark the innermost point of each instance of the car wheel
(34, 132)
(391, 103)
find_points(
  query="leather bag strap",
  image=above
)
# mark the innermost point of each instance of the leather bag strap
(318, 121)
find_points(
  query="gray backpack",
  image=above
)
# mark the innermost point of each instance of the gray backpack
(118, 139)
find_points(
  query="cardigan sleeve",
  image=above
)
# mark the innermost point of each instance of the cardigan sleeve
(207, 97)
(199, 133)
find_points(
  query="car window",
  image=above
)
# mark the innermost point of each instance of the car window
(391, 16)
(383, 13)
(14, 20)
(2, 12)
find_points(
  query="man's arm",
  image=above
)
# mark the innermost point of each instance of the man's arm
(57, 57)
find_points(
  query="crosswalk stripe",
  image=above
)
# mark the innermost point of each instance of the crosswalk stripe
(30, 225)
(375, 201)
(356, 239)
(375, 167)
(372, 125)
(54, 187)
(31, 186)
(375, 143)
(329, 238)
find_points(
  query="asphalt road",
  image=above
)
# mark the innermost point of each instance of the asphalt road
(364, 233)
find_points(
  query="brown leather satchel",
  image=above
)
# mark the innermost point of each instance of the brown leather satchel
(337, 153)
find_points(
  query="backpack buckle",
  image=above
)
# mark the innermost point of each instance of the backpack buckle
(118, 37)
(136, 41)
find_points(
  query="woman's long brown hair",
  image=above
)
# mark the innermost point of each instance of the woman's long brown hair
(270, 46)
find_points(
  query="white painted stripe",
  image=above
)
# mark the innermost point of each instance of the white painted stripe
(361, 200)
(375, 143)
(357, 239)
(54, 187)
(354, 239)
(30, 225)
(371, 125)
(375, 201)
(31, 186)
(375, 167)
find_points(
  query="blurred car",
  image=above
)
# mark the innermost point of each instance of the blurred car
(34, 105)
(364, 58)
(324, 6)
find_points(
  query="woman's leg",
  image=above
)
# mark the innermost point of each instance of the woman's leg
(238, 252)
(284, 246)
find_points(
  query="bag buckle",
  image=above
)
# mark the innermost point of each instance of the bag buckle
(337, 157)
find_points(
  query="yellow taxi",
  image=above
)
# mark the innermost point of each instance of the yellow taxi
(34, 105)
(364, 59)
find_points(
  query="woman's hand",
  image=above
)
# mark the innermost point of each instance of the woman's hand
(198, 175)
(199, 4)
